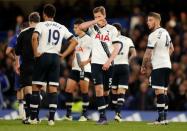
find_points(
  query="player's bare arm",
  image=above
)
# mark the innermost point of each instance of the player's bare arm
(17, 65)
(86, 25)
(146, 61)
(72, 44)
(171, 49)
(83, 63)
(132, 52)
(35, 44)
(113, 55)
(10, 53)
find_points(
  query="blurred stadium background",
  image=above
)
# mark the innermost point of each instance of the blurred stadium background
(132, 15)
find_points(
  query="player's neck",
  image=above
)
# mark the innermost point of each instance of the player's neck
(156, 27)
(49, 19)
(33, 25)
(103, 25)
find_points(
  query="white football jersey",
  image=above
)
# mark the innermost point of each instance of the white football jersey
(126, 44)
(160, 42)
(51, 35)
(108, 35)
(84, 49)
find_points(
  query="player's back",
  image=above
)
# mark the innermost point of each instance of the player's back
(51, 35)
(162, 40)
(24, 45)
(126, 44)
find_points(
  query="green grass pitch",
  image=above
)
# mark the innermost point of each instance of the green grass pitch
(15, 125)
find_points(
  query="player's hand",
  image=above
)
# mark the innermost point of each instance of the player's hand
(62, 56)
(83, 63)
(143, 70)
(38, 54)
(106, 66)
(101, 19)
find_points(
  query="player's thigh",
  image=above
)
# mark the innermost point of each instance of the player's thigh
(72, 81)
(53, 73)
(107, 79)
(41, 66)
(74, 75)
(26, 75)
(71, 85)
(84, 82)
(115, 79)
(167, 74)
(123, 77)
(158, 79)
(97, 74)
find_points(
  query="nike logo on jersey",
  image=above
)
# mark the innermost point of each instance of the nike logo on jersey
(101, 37)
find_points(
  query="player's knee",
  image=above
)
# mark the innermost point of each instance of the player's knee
(106, 93)
(69, 89)
(84, 89)
(159, 91)
(99, 90)
(28, 90)
(121, 91)
(36, 87)
(114, 91)
(52, 89)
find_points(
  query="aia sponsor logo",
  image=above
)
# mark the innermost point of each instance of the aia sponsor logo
(101, 37)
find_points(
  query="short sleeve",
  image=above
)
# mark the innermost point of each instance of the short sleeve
(90, 30)
(115, 38)
(67, 35)
(169, 38)
(38, 28)
(131, 44)
(151, 42)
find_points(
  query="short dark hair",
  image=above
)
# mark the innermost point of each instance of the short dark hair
(78, 21)
(155, 15)
(99, 9)
(49, 10)
(118, 26)
(34, 17)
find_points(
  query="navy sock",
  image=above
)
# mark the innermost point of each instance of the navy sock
(120, 102)
(101, 105)
(114, 98)
(107, 100)
(27, 105)
(34, 105)
(85, 99)
(52, 100)
(69, 102)
(160, 106)
(166, 107)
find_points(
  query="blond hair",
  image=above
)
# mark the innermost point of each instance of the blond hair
(99, 9)
(155, 15)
